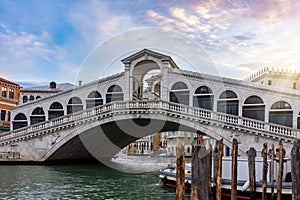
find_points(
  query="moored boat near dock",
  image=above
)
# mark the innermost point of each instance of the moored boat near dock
(167, 176)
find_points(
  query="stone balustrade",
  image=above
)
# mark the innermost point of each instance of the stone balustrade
(153, 105)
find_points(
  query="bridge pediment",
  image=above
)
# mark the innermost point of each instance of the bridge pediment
(147, 54)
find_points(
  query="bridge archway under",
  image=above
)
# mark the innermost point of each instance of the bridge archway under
(102, 141)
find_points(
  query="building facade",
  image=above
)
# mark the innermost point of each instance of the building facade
(276, 77)
(34, 93)
(9, 98)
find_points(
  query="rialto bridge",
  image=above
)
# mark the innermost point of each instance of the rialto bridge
(101, 117)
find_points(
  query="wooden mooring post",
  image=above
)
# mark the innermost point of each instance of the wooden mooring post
(251, 167)
(265, 171)
(234, 155)
(180, 171)
(295, 164)
(200, 171)
(219, 172)
(280, 171)
(272, 172)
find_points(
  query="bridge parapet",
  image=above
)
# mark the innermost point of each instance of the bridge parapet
(251, 126)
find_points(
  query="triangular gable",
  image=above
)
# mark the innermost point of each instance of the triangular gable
(145, 53)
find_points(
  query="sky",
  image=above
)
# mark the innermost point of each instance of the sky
(44, 41)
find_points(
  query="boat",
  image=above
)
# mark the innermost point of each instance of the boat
(167, 177)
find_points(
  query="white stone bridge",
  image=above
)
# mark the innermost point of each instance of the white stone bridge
(101, 117)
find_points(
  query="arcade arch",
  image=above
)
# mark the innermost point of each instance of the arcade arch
(180, 93)
(203, 98)
(37, 115)
(281, 113)
(228, 103)
(114, 93)
(254, 108)
(94, 99)
(20, 120)
(55, 110)
(74, 105)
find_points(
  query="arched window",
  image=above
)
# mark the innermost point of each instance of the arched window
(19, 121)
(74, 105)
(281, 113)
(228, 103)
(94, 99)
(31, 98)
(55, 110)
(254, 108)
(203, 98)
(157, 91)
(37, 115)
(25, 99)
(180, 93)
(114, 93)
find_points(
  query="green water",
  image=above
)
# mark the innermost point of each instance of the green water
(84, 181)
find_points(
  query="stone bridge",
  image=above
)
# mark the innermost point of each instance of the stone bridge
(99, 118)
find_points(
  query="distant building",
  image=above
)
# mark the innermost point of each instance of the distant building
(9, 98)
(33, 93)
(276, 77)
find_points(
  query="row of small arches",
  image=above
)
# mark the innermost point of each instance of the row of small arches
(94, 98)
(31, 98)
(253, 107)
(280, 113)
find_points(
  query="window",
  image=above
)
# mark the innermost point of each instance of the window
(31, 98)
(37, 115)
(114, 93)
(3, 114)
(11, 93)
(180, 93)
(254, 108)
(8, 116)
(269, 82)
(94, 99)
(20, 121)
(203, 98)
(281, 113)
(228, 103)
(25, 99)
(55, 110)
(295, 86)
(74, 105)
(4, 91)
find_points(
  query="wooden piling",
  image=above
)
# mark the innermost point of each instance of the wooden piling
(219, 174)
(216, 164)
(251, 167)
(200, 171)
(265, 171)
(272, 172)
(280, 171)
(234, 154)
(180, 171)
(295, 164)
(210, 168)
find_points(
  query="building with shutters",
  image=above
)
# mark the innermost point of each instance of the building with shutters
(9, 98)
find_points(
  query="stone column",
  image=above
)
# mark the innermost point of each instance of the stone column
(165, 81)
(128, 82)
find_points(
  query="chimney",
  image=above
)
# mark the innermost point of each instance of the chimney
(79, 83)
(52, 85)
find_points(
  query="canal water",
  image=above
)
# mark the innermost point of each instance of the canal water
(137, 179)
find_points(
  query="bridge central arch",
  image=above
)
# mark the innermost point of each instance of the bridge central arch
(104, 140)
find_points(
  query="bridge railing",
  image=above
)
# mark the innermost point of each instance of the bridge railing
(171, 107)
